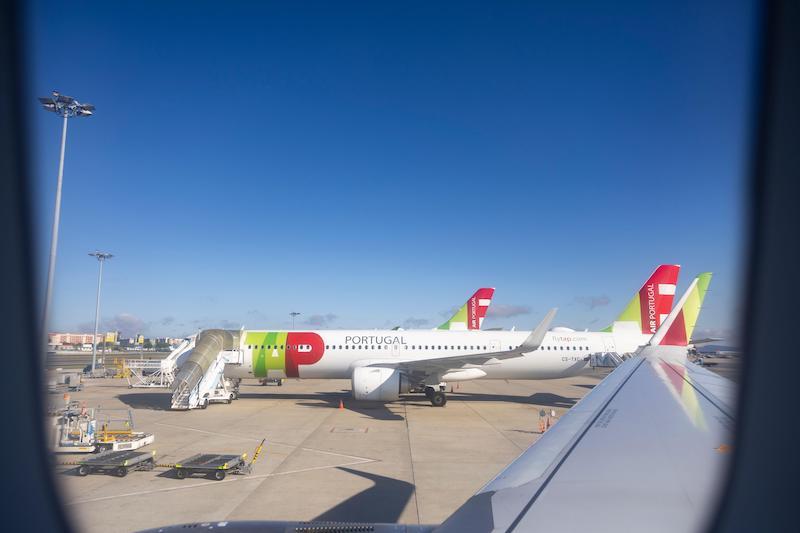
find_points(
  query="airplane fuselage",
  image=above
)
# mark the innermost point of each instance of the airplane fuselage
(333, 354)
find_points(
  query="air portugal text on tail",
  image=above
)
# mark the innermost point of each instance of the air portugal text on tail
(470, 316)
(651, 305)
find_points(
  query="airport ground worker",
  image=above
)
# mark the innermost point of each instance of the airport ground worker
(542, 418)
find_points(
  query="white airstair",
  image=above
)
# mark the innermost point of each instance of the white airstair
(156, 373)
(200, 379)
(605, 360)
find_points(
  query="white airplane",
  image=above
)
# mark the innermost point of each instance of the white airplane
(645, 450)
(382, 364)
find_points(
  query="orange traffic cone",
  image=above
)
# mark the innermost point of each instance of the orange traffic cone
(341, 404)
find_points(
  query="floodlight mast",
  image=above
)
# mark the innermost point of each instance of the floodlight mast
(294, 314)
(101, 258)
(66, 107)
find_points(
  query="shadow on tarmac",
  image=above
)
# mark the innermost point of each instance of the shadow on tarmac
(374, 410)
(382, 502)
(544, 399)
(330, 400)
(152, 401)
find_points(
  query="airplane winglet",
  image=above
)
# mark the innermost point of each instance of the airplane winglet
(677, 328)
(536, 337)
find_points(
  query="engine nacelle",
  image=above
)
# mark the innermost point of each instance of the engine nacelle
(378, 384)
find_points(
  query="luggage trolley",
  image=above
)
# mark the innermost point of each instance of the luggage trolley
(216, 466)
(117, 462)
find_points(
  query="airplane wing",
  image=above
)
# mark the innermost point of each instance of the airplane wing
(646, 450)
(439, 365)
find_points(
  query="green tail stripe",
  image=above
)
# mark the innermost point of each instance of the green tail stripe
(691, 309)
(460, 316)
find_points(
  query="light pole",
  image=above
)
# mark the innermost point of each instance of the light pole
(66, 107)
(101, 258)
(294, 314)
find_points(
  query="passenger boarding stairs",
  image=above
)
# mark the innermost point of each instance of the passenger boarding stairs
(605, 360)
(201, 376)
(152, 373)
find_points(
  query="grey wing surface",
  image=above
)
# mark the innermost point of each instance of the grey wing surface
(439, 365)
(644, 451)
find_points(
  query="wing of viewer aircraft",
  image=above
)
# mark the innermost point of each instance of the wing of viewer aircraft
(644, 451)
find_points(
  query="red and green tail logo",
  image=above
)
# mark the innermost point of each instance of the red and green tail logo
(472, 313)
(651, 305)
(681, 329)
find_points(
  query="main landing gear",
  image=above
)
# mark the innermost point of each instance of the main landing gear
(436, 397)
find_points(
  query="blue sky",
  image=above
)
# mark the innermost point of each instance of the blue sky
(371, 164)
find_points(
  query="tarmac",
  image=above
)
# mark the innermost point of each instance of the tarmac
(404, 462)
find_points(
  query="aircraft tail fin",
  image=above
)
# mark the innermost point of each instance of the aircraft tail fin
(677, 328)
(470, 316)
(653, 301)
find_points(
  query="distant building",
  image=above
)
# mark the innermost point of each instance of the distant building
(112, 337)
(57, 340)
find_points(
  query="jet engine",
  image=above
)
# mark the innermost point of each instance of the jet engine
(378, 384)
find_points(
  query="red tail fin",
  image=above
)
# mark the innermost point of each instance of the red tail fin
(470, 316)
(653, 302)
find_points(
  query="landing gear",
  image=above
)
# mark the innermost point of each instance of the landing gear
(436, 397)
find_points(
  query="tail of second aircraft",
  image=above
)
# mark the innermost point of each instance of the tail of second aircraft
(653, 302)
(470, 315)
(682, 319)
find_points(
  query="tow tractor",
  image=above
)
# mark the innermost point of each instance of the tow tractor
(75, 429)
